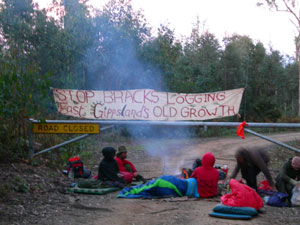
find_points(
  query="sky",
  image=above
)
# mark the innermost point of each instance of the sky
(220, 17)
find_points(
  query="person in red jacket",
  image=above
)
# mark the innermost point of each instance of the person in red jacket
(126, 167)
(207, 176)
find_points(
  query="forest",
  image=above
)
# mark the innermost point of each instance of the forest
(71, 45)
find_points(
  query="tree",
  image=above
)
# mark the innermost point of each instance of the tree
(202, 61)
(291, 7)
(163, 53)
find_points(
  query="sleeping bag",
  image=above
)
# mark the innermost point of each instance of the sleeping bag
(242, 196)
(162, 187)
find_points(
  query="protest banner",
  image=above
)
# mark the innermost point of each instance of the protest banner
(147, 104)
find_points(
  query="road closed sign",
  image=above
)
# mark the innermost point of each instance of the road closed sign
(66, 128)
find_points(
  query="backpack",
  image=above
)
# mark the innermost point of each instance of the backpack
(75, 166)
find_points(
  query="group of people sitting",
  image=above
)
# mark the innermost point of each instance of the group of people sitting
(116, 171)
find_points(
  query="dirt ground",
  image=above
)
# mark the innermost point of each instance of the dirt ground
(36, 195)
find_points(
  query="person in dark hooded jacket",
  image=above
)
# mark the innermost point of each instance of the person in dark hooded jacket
(207, 176)
(252, 161)
(108, 171)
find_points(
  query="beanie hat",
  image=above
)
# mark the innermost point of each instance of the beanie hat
(121, 149)
(296, 162)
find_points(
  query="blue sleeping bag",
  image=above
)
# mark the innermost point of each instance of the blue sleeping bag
(164, 186)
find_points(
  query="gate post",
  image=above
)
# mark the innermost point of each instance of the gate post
(30, 137)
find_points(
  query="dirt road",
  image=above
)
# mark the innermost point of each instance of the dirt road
(162, 157)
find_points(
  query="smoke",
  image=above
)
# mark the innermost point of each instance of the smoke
(117, 61)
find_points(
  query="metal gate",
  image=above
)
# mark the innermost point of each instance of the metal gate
(110, 124)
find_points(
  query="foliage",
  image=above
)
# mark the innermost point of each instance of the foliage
(23, 94)
(113, 48)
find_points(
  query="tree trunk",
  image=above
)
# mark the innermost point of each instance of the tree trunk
(299, 88)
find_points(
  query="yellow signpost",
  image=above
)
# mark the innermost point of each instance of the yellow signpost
(65, 128)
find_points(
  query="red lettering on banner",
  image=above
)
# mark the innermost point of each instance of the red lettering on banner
(128, 95)
(209, 97)
(212, 113)
(62, 106)
(222, 109)
(201, 111)
(133, 104)
(108, 97)
(70, 95)
(146, 96)
(157, 111)
(89, 94)
(193, 111)
(146, 110)
(198, 98)
(98, 113)
(77, 110)
(69, 109)
(231, 109)
(156, 98)
(169, 102)
(178, 99)
(221, 96)
(111, 113)
(80, 99)
(116, 97)
(169, 112)
(61, 95)
(185, 112)
(134, 94)
(192, 97)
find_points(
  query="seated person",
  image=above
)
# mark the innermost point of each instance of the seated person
(171, 186)
(207, 176)
(126, 167)
(197, 163)
(251, 161)
(108, 169)
(289, 176)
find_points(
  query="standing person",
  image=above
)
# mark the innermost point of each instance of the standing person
(289, 176)
(108, 171)
(251, 161)
(126, 167)
(207, 176)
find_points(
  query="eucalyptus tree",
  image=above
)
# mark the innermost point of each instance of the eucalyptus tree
(235, 61)
(162, 53)
(246, 64)
(23, 87)
(292, 8)
(289, 89)
(202, 61)
(268, 94)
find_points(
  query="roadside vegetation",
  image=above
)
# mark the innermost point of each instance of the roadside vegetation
(73, 46)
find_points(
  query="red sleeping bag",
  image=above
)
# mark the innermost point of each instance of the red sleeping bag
(242, 196)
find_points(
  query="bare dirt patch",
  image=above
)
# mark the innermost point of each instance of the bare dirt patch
(35, 195)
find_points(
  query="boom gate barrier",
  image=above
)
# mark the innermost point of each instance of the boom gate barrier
(91, 127)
